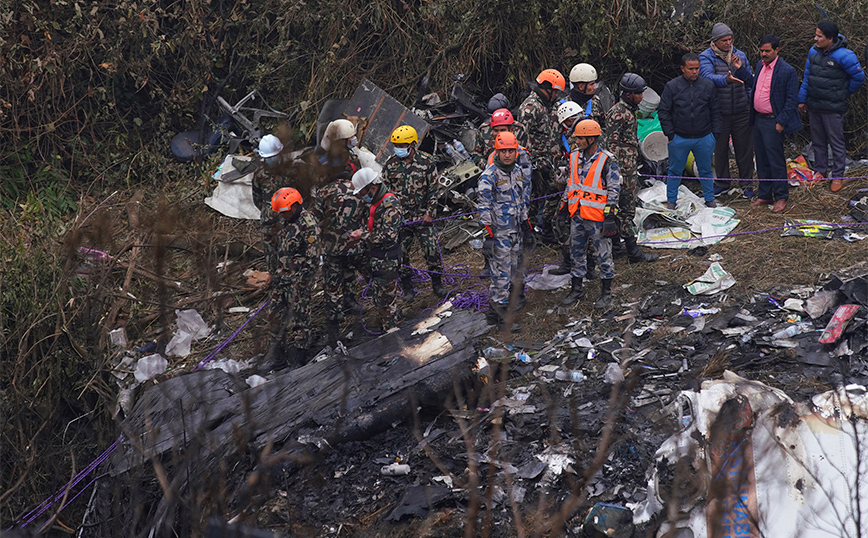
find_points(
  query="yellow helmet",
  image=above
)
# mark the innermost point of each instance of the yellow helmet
(404, 135)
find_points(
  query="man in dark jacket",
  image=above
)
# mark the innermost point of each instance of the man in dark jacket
(832, 74)
(728, 68)
(774, 114)
(690, 117)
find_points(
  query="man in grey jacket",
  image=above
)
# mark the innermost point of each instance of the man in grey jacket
(728, 68)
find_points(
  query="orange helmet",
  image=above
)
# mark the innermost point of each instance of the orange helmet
(501, 116)
(587, 128)
(284, 198)
(505, 140)
(551, 78)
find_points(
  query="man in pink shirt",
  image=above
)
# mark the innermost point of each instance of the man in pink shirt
(774, 113)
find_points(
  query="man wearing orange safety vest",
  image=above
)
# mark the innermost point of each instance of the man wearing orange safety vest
(591, 197)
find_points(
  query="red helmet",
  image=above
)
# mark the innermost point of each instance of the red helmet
(284, 198)
(505, 140)
(501, 116)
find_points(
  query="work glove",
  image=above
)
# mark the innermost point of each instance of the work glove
(610, 221)
(528, 236)
(488, 243)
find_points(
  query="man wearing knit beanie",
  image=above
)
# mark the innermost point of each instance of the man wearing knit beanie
(728, 68)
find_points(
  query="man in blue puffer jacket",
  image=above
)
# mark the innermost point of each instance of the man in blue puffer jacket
(832, 74)
(729, 69)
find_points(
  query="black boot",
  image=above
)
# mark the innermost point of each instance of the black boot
(577, 292)
(605, 301)
(350, 304)
(566, 263)
(520, 299)
(618, 247)
(437, 285)
(274, 358)
(636, 254)
(591, 261)
(407, 287)
(496, 315)
(333, 330)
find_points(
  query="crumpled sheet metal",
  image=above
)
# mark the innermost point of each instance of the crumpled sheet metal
(798, 467)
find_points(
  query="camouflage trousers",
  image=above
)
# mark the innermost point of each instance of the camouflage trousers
(427, 237)
(384, 284)
(544, 184)
(338, 273)
(626, 212)
(581, 231)
(506, 265)
(289, 311)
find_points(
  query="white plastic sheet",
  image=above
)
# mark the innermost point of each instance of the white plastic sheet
(690, 225)
(191, 327)
(233, 198)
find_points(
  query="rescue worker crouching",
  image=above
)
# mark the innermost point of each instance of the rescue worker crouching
(411, 175)
(502, 204)
(382, 239)
(292, 263)
(592, 200)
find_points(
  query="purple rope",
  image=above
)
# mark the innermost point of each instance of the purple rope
(211, 355)
(47, 503)
(761, 179)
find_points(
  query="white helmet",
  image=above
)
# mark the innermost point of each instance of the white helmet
(568, 109)
(269, 146)
(363, 178)
(583, 73)
(337, 130)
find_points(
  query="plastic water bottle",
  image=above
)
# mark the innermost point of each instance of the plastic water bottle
(793, 330)
(452, 152)
(461, 150)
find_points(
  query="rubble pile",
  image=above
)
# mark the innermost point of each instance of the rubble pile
(565, 433)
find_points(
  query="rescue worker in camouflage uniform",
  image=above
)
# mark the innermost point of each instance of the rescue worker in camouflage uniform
(592, 200)
(622, 141)
(583, 88)
(268, 178)
(500, 120)
(381, 237)
(292, 264)
(502, 204)
(337, 210)
(411, 175)
(569, 112)
(539, 115)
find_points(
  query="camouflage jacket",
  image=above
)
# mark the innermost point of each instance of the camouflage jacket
(414, 181)
(620, 138)
(338, 212)
(541, 123)
(265, 183)
(295, 248)
(594, 106)
(485, 141)
(387, 222)
(503, 198)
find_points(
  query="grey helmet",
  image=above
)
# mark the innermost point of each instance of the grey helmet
(632, 83)
(497, 102)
